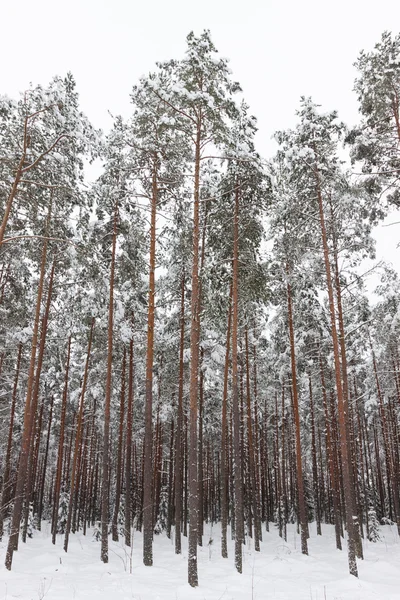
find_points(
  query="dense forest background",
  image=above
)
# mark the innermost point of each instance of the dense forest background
(189, 338)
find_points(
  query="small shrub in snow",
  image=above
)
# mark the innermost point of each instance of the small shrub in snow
(373, 533)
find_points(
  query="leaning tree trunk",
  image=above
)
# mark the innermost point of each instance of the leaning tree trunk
(23, 167)
(5, 492)
(16, 182)
(28, 417)
(34, 402)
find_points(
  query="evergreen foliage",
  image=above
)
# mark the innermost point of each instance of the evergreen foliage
(247, 375)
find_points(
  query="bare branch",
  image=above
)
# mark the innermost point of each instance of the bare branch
(39, 237)
(29, 167)
(178, 110)
(45, 185)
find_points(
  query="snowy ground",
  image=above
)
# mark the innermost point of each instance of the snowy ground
(278, 572)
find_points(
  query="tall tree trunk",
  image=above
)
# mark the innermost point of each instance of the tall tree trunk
(186, 474)
(5, 492)
(148, 435)
(179, 427)
(170, 513)
(256, 441)
(107, 404)
(393, 483)
(60, 454)
(224, 437)
(128, 457)
(200, 499)
(16, 182)
(252, 467)
(296, 414)
(344, 443)
(194, 374)
(237, 450)
(314, 460)
(34, 401)
(28, 416)
(77, 441)
(200, 457)
(43, 477)
(277, 471)
(120, 448)
(90, 476)
(283, 470)
(345, 384)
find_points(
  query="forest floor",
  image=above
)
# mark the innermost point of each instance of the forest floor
(278, 572)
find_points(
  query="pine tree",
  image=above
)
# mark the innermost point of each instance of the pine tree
(198, 96)
(376, 141)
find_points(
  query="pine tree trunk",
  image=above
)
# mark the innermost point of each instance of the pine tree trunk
(200, 456)
(224, 436)
(120, 448)
(344, 442)
(90, 474)
(186, 475)
(283, 470)
(31, 472)
(179, 428)
(128, 457)
(268, 495)
(14, 188)
(83, 495)
(5, 492)
(31, 467)
(194, 375)
(299, 466)
(29, 416)
(107, 404)
(332, 463)
(148, 436)
(200, 499)
(77, 441)
(237, 449)
(314, 460)
(252, 467)
(43, 477)
(171, 494)
(393, 483)
(345, 384)
(57, 486)
(256, 443)
(157, 466)
(277, 472)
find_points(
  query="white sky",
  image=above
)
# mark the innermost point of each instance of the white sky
(279, 50)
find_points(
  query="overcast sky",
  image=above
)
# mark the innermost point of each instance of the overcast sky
(279, 50)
